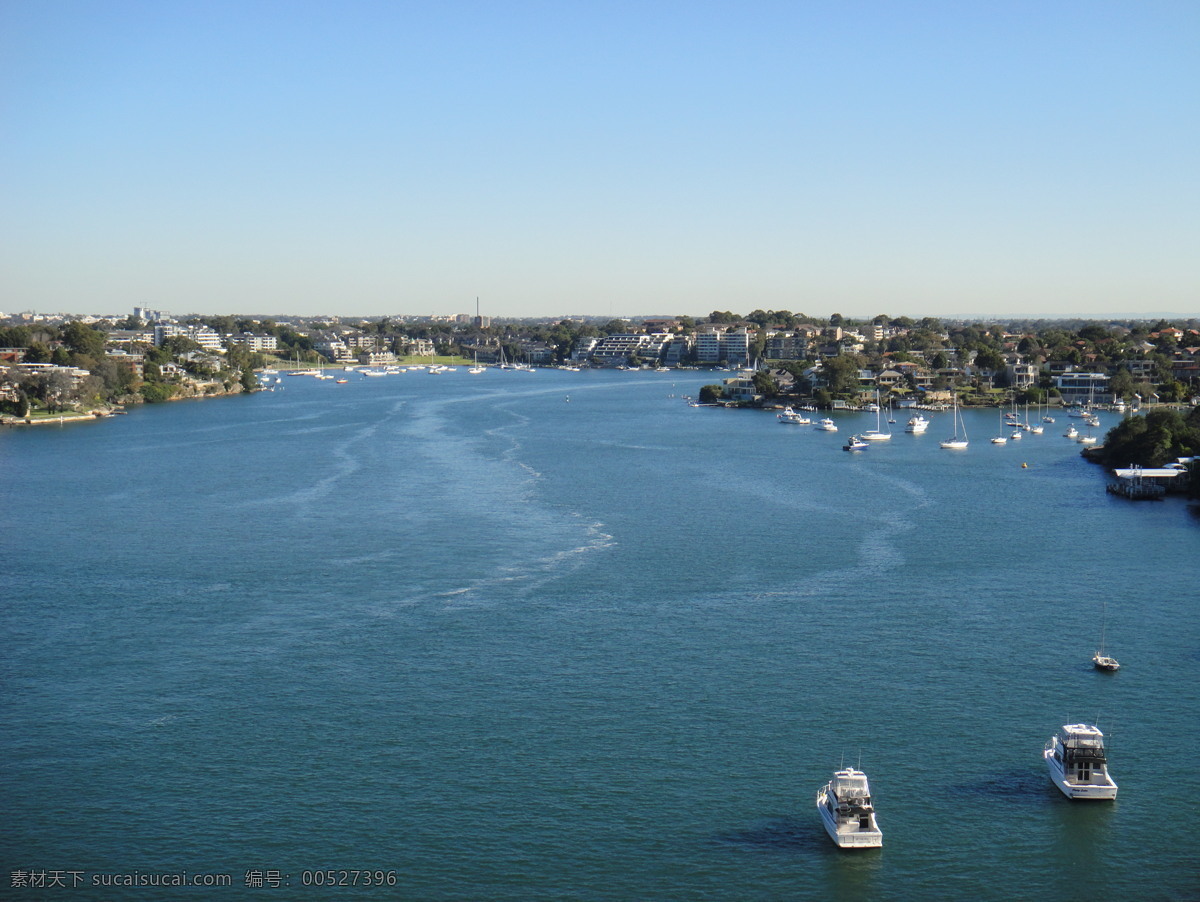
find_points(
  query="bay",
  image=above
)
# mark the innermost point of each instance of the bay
(561, 635)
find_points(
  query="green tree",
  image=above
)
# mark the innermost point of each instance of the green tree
(989, 359)
(711, 394)
(82, 339)
(841, 374)
(155, 392)
(1152, 440)
(36, 352)
(765, 384)
(1121, 384)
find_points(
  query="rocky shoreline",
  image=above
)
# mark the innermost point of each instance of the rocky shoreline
(187, 393)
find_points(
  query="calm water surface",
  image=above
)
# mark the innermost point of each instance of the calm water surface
(562, 636)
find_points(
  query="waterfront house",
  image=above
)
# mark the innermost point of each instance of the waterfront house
(740, 389)
(1080, 388)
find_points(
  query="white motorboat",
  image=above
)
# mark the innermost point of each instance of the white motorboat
(917, 425)
(855, 444)
(789, 416)
(846, 810)
(1078, 763)
(827, 425)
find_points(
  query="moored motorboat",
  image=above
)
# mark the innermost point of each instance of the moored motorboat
(1078, 763)
(917, 425)
(789, 416)
(854, 444)
(847, 811)
(827, 425)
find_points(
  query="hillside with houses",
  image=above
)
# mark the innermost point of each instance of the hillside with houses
(57, 364)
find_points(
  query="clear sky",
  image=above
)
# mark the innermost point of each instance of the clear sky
(616, 158)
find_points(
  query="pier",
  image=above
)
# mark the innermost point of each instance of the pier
(1147, 484)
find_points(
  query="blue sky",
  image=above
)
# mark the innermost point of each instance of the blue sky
(609, 158)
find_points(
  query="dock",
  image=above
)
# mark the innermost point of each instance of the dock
(1148, 484)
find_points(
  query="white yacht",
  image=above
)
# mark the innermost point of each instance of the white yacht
(917, 425)
(790, 416)
(1077, 762)
(847, 812)
(827, 425)
(855, 444)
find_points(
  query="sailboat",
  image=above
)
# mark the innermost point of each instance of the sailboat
(1100, 660)
(958, 441)
(877, 434)
(1035, 428)
(1001, 439)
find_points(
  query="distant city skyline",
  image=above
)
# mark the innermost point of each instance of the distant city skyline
(1033, 160)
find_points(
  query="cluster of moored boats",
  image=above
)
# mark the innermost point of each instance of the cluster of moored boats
(1013, 427)
(1075, 758)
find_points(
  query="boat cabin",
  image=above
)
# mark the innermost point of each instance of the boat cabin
(1081, 752)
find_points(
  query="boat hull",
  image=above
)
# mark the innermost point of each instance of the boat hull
(1079, 791)
(848, 835)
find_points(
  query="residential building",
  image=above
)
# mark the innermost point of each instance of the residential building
(1079, 388)
(1022, 375)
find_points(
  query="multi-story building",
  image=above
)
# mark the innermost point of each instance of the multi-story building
(786, 346)
(202, 335)
(614, 350)
(132, 362)
(417, 347)
(708, 347)
(1079, 388)
(731, 347)
(1022, 375)
(583, 349)
(256, 342)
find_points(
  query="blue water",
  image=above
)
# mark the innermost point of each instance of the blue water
(561, 636)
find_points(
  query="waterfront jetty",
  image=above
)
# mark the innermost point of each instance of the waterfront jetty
(1148, 483)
